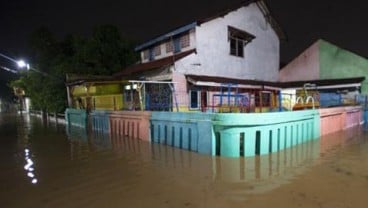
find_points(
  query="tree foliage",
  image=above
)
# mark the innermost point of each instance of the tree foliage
(105, 52)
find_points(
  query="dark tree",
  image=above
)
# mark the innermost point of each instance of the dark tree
(104, 53)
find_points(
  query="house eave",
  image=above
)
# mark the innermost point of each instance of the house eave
(166, 36)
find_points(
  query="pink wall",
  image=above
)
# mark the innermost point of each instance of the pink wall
(340, 118)
(181, 89)
(134, 124)
(353, 116)
(339, 139)
(303, 67)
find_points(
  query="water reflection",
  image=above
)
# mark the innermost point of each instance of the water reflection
(249, 175)
(80, 169)
(29, 167)
(23, 130)
(262, 173)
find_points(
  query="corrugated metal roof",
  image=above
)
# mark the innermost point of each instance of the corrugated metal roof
(280, 85)
(153, 64)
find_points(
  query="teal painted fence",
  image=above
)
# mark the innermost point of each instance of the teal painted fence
(235, 134)
(100, 121)
(225, 134)
(190, 131)
(262, 133)
(76, 117)
(365, 117)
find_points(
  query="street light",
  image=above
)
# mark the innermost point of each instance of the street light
(20, 63)
(23, 64)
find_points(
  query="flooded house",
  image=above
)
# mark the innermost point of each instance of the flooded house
(222, 63)
(205, 86)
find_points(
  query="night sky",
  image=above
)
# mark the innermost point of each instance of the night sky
(339, 22)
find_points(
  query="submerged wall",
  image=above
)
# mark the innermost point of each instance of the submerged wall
(224, 134)
(340, 118)
(234, 134)
(76, 117)
(133, 124)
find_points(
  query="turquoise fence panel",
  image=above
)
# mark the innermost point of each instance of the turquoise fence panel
(179, 138)
(275, 139)
(264, 142)
(100, 121)
(234, 134)
(230, 144)
(191, 131)
(262, 133)
(249, 142)
(205, 137)
(186, 132)
(365, 117)
(76, 117)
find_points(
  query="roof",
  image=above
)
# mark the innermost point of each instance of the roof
(159, 63)
(246, 83)
(75, 79)
(322, 83)
(166, 36)
(260, 3)
(222, 81)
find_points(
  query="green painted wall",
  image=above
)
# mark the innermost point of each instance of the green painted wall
(338, 63)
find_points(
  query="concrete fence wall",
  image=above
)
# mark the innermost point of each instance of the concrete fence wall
(225, 134)
(191, 131)
(134, 124)
(76, 117)
(100, 121)
(340, 118)
(258, 134)
(234, 134)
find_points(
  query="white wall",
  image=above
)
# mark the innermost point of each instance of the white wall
(261, 56)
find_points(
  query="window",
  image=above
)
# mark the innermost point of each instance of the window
(184, 40)
(266, 99)
(151, 54)
(169, 47)
(157, 50)
(238, 39)
(145, 54)
(194, 99)
(177, 47)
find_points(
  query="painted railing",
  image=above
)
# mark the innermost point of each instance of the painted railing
(134, 124)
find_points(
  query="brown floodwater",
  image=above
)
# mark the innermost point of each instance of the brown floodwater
(41, 165)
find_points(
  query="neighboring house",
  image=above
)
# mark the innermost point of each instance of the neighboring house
(96, 93)
(240, 43)
(325, 61)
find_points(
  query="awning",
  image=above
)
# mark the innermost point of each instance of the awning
(213, 81)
